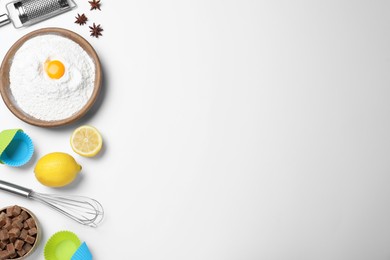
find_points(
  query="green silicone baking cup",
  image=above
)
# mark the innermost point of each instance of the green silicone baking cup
(6, 137)
(61, 246)
(16, 147)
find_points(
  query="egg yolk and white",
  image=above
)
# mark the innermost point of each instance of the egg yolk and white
(58, 72)
(55, 69)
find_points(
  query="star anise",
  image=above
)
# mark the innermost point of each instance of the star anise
(81, 19)
(95, 4)
(96, 30)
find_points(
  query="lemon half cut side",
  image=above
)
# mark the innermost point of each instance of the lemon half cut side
(86, 141)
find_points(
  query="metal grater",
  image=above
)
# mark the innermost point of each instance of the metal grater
(26, 12)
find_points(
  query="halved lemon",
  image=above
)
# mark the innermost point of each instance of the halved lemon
(86, 141)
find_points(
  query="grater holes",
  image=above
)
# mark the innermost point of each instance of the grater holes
(37, 8)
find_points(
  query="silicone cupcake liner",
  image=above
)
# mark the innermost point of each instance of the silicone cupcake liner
(61, 246)
(6, 137)
(82, 253)
(16, 147)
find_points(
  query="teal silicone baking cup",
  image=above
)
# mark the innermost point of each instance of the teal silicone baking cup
(16, 147)
(82, 253)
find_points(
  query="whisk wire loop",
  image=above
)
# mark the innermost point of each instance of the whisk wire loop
(82, 209)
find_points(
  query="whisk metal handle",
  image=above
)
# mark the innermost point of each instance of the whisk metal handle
(15, 189)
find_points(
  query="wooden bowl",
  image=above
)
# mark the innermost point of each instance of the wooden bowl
(38, 235)
(6, 92)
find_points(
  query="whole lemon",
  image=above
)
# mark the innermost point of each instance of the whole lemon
(56, 169)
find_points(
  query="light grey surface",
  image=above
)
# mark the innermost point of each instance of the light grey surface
(233, 130)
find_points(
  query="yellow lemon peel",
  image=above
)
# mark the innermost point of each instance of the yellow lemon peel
(56, 169)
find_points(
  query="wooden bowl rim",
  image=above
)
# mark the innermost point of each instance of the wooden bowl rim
(6, 64)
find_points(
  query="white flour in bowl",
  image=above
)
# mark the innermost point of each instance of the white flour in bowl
(41, 96)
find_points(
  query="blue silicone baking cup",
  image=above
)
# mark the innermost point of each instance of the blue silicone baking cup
(19, 151)
(82, 253)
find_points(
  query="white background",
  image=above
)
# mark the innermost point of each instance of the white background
(232, 130)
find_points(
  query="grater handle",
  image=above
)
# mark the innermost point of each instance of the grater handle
(4, 20)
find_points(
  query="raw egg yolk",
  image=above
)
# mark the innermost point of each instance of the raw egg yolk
(55, 69)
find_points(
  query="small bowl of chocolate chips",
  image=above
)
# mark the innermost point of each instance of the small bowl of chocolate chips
(20, 233)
